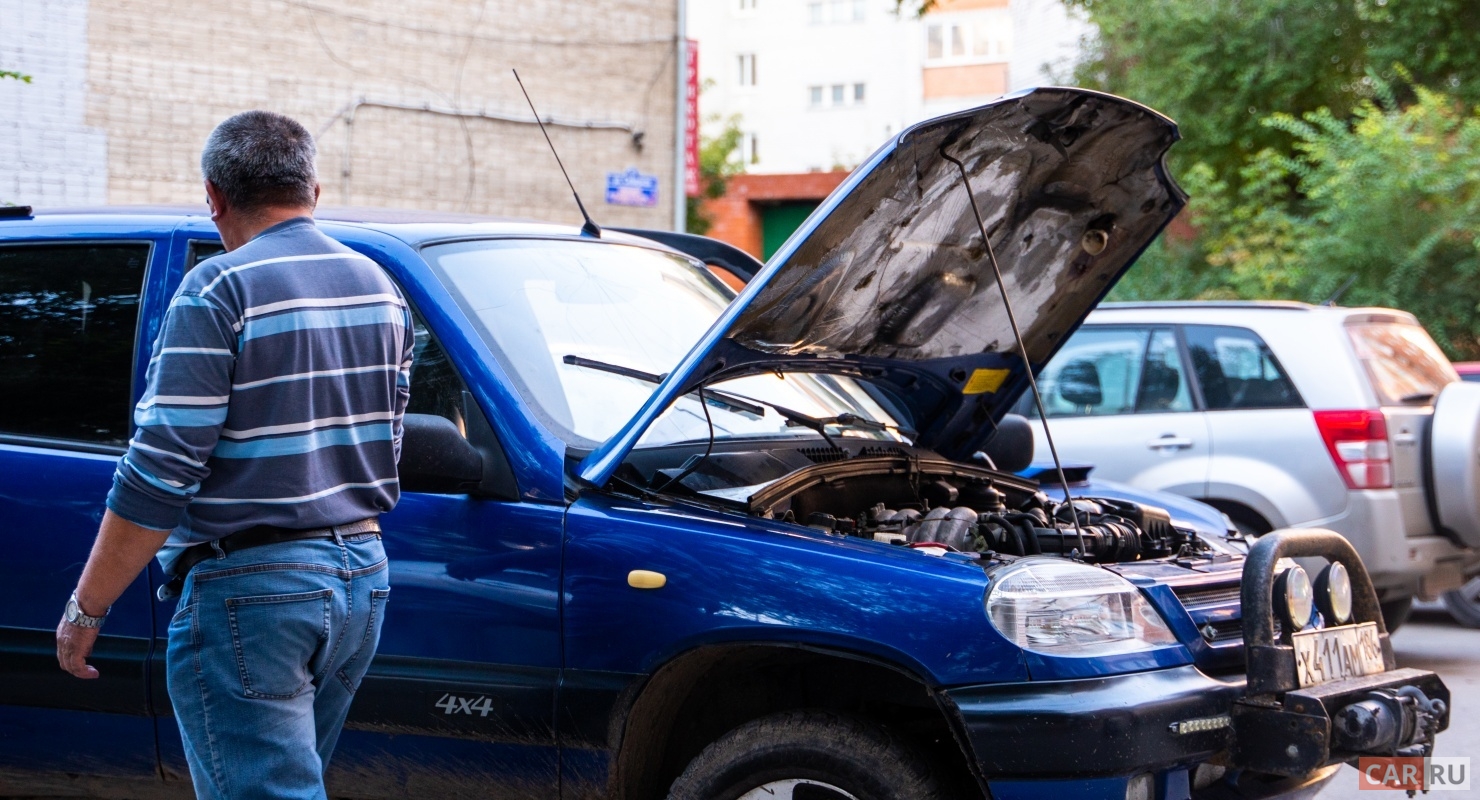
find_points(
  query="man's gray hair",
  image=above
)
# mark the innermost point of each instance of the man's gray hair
(260, 159)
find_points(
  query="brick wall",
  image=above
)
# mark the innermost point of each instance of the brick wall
(736, 216)
(48, 156)
(161, 73)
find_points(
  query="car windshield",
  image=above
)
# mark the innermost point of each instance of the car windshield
(1403, 362)
(537, 301)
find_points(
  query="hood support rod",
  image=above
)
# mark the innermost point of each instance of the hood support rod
(1017, 336)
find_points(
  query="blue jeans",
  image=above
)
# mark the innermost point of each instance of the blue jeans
(266, 650)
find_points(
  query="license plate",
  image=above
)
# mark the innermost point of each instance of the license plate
(1335, 654)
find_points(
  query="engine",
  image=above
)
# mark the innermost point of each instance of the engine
(936, 503)
(1107, 531)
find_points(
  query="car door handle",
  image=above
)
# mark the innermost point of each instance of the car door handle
(1170, 441)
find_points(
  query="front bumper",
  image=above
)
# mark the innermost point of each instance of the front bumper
(1192, 735)
(1095, 727)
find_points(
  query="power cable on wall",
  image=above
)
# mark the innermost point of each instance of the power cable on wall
(645, 42)
(453, 107)
(347, 114)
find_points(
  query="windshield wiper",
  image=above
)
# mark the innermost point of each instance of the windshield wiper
(718, 398)
(748, 405)
(847, 419)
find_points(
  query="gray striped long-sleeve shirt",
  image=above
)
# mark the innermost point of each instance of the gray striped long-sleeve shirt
(275, 393)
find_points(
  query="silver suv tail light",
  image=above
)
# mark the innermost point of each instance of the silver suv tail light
(1358, 443)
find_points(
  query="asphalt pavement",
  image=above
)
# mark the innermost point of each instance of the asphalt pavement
(1431, 640)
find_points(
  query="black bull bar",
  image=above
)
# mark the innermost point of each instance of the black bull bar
(1284, 729)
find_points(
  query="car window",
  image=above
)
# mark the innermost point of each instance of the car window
(1235, 369)
(202, 249)
(1163, 386)
(68, 317)
(436, 388)
(1402, 361)
(1096, 374)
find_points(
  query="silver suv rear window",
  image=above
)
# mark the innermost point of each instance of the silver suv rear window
(1402, 361)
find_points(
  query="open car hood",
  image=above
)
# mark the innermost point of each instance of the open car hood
(889, 280)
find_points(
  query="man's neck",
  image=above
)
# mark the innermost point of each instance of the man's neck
(238, 231)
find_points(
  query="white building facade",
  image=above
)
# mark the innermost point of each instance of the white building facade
(818, 85)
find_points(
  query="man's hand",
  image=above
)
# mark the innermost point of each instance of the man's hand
(74, 645)
(121, 552)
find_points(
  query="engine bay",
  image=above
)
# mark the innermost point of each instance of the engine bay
(908, 497)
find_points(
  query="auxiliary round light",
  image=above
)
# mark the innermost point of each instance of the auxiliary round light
(1294, 598)
(1334, 594)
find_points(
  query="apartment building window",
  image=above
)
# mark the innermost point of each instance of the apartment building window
(982, 37)
(837, 95)
(745, 6)
(746, 64)
(753, 144)
(820, 12)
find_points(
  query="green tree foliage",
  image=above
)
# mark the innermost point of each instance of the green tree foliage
(20, 76)
(1322, 140)
(1219, 67)
(1389, 200)
(717, 164)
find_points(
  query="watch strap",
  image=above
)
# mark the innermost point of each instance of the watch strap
(76, 616)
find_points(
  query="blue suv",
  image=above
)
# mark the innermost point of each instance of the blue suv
(657, 540)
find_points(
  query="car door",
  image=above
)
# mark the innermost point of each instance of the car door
(69, 311)
(460, 697)
(1259, 423)
(1118, 398)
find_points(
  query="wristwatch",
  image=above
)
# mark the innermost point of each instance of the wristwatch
(74, 616)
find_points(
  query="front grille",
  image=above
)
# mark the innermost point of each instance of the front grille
(1202, 598)
(1223, 632)
(1231, 630)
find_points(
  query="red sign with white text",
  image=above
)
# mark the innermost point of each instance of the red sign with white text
(691, 121)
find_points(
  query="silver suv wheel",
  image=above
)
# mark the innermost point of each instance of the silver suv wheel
(1464, 603)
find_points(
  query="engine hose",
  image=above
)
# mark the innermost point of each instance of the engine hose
(1032, 537)
(1008, 528)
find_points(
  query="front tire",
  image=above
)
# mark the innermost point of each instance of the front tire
(807, 755)
(1464, 604)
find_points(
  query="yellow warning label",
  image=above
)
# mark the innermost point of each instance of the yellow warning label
(984, 381)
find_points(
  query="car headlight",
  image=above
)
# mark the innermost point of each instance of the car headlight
(1294, 599)
(1062, 608)
(1334, 594)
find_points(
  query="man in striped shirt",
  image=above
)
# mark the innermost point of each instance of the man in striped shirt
(265, 449)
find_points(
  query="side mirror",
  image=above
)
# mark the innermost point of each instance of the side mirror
(1011, 445)
(436, 458)
(1079, 384)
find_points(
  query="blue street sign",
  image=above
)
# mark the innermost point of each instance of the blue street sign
(631, 188)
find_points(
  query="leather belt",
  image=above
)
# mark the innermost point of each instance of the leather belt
(260, 535)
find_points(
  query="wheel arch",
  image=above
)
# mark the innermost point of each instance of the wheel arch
(702, 693)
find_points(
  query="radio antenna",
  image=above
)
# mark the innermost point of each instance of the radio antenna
(590, 228)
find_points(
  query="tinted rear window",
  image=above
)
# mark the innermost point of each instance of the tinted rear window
(1236, 369)
(1402, 361)
(67, 320)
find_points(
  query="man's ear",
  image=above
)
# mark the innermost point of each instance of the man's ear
(217, 200)
(318, 188)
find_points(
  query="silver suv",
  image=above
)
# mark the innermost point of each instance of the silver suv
(1285, 415)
